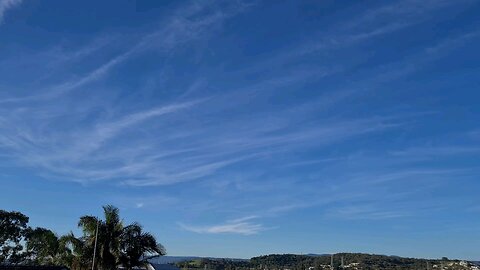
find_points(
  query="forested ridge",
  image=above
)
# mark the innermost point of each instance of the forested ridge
(309, 262)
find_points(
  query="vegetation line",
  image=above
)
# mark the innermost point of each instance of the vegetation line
(117, 245)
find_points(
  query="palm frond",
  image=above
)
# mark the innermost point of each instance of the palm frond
(88, 224)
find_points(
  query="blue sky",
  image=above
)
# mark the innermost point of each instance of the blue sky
(242, 128)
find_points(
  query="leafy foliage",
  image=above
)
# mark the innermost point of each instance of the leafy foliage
(109, 235)
(13, 226)
(128, 246)
(42, 245)
(138, 246)
(117, 245)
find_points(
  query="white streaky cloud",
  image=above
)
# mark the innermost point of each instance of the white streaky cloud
(364, 212)
(178, 175)
(54, 91)
(290, 207)
(349, 39)
(105, 131)
(453, 42)
(400, 11)
(186, 141)
(239, 226)
(66, 160)
(313, 162)
(188, 24)
(374, 23)
(62, 54)
(5, 5)
(59, 59)
(409, 174)
(210, 153)
(149, 160)
(183, 29)
(437, 151)
(292, 128)
(66, 87)
(243, 219)
(379, 75)
(398, 206)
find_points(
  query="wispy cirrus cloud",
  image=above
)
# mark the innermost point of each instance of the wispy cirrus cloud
(206, 147)
(5, 5)
(243, 226)
(365, 212)
(405, 12)
(154, 163)
(437, 151)
(306, 126)
(187, 24)
(364, 27)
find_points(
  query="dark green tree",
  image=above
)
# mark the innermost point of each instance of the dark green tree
(42, 246)
(13, 226)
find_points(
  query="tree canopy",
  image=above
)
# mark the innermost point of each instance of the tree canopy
(13, 226)
(117, 245)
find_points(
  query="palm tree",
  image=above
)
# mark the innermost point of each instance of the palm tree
(74, 252)
(138, 246)
(110, 231)
(117, 245)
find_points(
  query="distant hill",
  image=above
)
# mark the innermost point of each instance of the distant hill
(355, 261)
(351, 261)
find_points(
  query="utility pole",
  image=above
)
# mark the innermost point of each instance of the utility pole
(342, 263)
(95, 245)
(331, 262)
